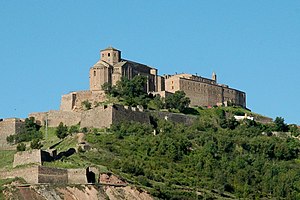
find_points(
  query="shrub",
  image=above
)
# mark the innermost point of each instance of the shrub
(21, 147)
(74, 129)
(86, 105)
(10, 139)
(36, 144)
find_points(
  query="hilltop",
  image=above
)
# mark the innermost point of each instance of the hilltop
(217, 157)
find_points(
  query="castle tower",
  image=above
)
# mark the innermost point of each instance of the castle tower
(110, 55)
(214, 77)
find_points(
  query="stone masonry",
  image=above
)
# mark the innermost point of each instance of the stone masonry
(9, 127)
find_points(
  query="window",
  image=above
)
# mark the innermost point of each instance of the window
(108, 54)
(172, 87)
(94, 73)
(103, 55)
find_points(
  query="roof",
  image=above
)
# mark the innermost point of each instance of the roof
(101, 64)
(110, 48)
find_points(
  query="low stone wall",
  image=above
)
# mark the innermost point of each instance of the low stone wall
(29, 174)
(27, 157)
(35, 156)
(77, 176)
(52, 175)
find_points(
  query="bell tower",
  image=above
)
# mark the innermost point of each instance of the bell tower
(110, 55)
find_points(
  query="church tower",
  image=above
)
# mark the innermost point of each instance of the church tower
(110, 55)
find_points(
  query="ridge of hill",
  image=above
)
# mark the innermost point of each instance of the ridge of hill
(215, 158)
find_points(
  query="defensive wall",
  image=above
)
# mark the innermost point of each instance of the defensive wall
(35, 174)
(35, 156)
(73, 101)
(8, 127)
(54, 117)
(104, 116)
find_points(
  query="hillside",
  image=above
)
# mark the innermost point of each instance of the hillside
(215, 158)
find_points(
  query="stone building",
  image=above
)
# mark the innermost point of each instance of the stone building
(112, 67)
(203, 91)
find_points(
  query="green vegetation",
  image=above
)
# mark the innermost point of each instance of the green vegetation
(2, 186)
(29, 132)
(177, 101)
(61, 131)
(21, 147)
(86, 105)
(216, 157)
(36, 144)
(132, 93)
(7, 159)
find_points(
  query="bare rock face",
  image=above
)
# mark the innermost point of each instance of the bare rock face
(126, 193)
(78, 192)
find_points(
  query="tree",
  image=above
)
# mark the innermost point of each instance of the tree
(178, 101)
(61, 131)
(280, 125)
(36, 144)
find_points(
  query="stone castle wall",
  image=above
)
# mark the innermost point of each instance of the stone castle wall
(52, 175)
(122, 114)
(40, 174)
(9, 127)
(29, 174)
(98, 117)
(34, 156)
(73, 101)
(27, 157)
(77, 176)
(55, 117)
(105, 116)
(175, 117)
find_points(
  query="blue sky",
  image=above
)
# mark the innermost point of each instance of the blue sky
(47, 47)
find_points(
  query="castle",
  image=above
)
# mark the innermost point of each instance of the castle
(112, 67)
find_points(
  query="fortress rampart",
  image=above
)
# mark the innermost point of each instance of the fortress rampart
(105, 116)
(9, 127)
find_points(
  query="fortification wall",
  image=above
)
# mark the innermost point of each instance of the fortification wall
(175, 117)
(29, 174)
(27, 157)
(68, 101)
(54, 117)
(121, 114)
(77, 176)
(8, 127)
(52, 175)
(98, 117)
(73, 101)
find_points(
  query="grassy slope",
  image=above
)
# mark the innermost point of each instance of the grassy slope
(7, 158)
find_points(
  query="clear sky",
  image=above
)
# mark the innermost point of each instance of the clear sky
(47, 47)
